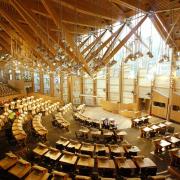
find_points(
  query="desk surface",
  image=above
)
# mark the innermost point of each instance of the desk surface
(63, 142)
(147, 129)
(34, 175)
(8, 162)
(173, 140)
(68, 159)
(86, 162)
(101, 147)
(20, 170)
(108, 133)
(127, 164)
(144, 163)
(105, 164)
(164, 143)
(77, 146)
(39, 150)
(162, 125)
(87, 148)
(154, 127)
(54, 155)
(95, 133)
(117, 149)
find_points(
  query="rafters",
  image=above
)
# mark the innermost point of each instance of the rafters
(68, 37)
(161, 29)
(96, 52)
(93, 43)
(31, 42)
(122, 43)
(23, 11)
(113, 42)
(88, 8)
(84, 42)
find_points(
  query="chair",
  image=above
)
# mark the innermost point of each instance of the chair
(170, 130)
(101, 153)
(71, 149)
(152, 134)
(177, 135)
(162, 131)
(174, 159)
(157, 146)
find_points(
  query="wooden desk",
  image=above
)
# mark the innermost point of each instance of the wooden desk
(95, 133)
(89, 148)
(59, 175)
(108, 133)
(162, 125)
(116, 149)
(173, 140)
(164, 143)
(147, 129)
(62, 142)
(53, 154)
(147, 166)
(145, 163)
(36, 175)
(21, 168)
(127, 164)
(86, 162)
(68, 159)
(40, 150)
(155, 127)
(84, 130)
(77, 145)
(101, 147)
(105, 163)
(8, 161)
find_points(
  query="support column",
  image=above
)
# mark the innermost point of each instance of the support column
(121, 82)
(171, 85)
(107, 83)
(61, 86)
(82, 89)
(32, 79)
(51, 76)
(94, 90)
(13, 74)
(69, 86)
(41, 79)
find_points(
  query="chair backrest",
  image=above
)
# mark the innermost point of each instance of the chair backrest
(177, 135)
(101, 153)
(170, 129)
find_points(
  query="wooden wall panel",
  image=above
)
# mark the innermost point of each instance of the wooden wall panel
(157, 110)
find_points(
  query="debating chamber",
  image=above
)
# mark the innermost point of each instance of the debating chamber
(90, 89)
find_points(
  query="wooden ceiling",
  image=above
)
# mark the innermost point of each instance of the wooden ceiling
(45, 23)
